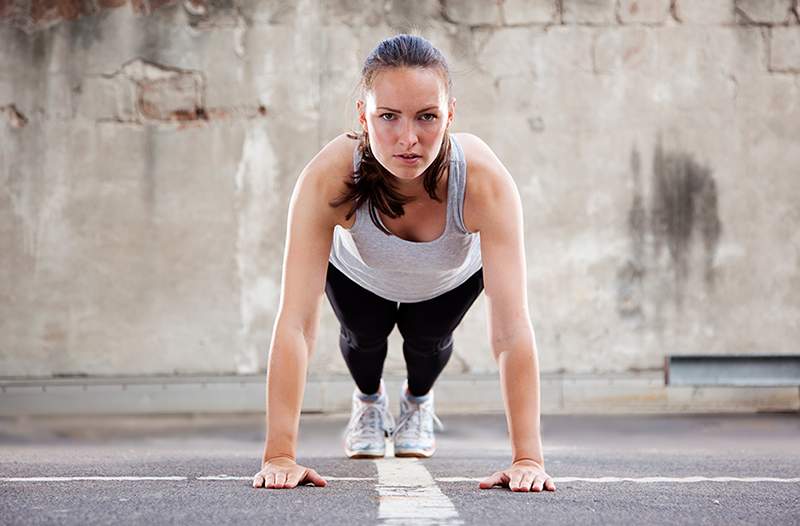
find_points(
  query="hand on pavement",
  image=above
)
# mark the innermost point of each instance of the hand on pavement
(282, 472)
(523, 475)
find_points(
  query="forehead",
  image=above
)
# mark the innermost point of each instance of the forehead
(396, 87)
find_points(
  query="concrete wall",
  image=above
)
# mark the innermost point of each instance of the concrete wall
(148, 150)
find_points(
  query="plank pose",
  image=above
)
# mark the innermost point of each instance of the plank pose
(386, 223)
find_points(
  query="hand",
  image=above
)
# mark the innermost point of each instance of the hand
(282, 472)
(523, 475)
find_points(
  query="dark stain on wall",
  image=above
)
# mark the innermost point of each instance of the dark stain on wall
(683, 210)
(631, 275)
(684, 205)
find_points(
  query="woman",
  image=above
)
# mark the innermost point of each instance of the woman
(415, 246)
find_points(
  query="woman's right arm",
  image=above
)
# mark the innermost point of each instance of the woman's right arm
(309, 234)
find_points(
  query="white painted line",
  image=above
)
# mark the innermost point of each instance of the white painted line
(229, 477)
(73, 479)
(409, 495)
(642, 479)
(125, 478)
(413, 484)
(676, 479)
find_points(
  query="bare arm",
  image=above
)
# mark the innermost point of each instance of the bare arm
(510, 331)
(500, 223)
(308, 241)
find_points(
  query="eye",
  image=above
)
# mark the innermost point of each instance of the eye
(385, 114)
(432, 115)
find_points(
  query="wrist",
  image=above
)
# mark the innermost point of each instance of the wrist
(278, 456)
(528, 460)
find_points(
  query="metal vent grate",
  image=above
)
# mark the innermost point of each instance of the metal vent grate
(733, 370)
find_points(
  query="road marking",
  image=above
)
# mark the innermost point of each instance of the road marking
(229, 477)
(126, 478)
(73, 479)
(409, 494)
(642, 479)
(413, 483)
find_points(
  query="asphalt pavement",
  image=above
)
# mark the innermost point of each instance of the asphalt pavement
(616, 469)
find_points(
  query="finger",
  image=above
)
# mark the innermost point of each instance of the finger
(491, 481)
(280, 479)
(549, 485)
(292, 479)
(314, 477)
(258, 481)
(538, 482)
(270, 480)
(525, 483)
(516, 481)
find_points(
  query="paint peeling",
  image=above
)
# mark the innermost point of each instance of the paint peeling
(14, 117)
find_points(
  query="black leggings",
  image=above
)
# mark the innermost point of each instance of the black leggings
(427, 327)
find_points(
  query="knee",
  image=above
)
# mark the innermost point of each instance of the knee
(365, 341)
(428, 345)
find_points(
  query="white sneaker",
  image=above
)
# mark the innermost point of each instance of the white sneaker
(370, 424)
(413, 436)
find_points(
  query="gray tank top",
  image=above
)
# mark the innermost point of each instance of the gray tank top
(409, 271)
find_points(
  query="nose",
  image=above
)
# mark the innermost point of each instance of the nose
(408, 135)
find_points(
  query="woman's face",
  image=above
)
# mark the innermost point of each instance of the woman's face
(406, 112)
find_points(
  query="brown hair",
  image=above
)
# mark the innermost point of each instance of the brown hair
(372, 183)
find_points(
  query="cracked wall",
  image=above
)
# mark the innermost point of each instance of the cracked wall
(148, 149)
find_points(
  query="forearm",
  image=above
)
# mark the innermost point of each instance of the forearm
(286, 378)
(519, 380)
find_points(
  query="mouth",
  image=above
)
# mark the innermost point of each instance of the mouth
(408, 156)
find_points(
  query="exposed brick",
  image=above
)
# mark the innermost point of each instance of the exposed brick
(173, 97)
(145, 7)
(644, 11)
(784, 54)
(530, 11)
(13, 116)
(764, 11)
(472, 13)
(159, 93)
(630, 48)
(140, 6)
(705, 11)
(594, 12)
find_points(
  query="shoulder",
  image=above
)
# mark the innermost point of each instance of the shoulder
(327, 173)
(488, 182)
(336, 157)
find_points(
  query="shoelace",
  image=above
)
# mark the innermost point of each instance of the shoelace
(417, 410)
(367, 418)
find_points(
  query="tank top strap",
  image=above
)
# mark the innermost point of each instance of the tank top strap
(458, 173)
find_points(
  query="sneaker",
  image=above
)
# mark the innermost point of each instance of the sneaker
(370, 424)
(413, 436)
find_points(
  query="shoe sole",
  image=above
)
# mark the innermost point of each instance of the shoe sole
(415, 453)
(361, 454)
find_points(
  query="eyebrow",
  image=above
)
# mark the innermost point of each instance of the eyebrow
(398, 111)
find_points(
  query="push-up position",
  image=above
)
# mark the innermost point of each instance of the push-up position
(386, 223)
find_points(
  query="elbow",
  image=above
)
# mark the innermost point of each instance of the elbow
(522, 340)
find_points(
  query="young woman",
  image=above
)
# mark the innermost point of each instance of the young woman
(388, 225)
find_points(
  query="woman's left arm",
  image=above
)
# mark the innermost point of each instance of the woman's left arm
(497, 211)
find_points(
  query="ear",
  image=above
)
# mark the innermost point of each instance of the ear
(451, 112)
(362, 117)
